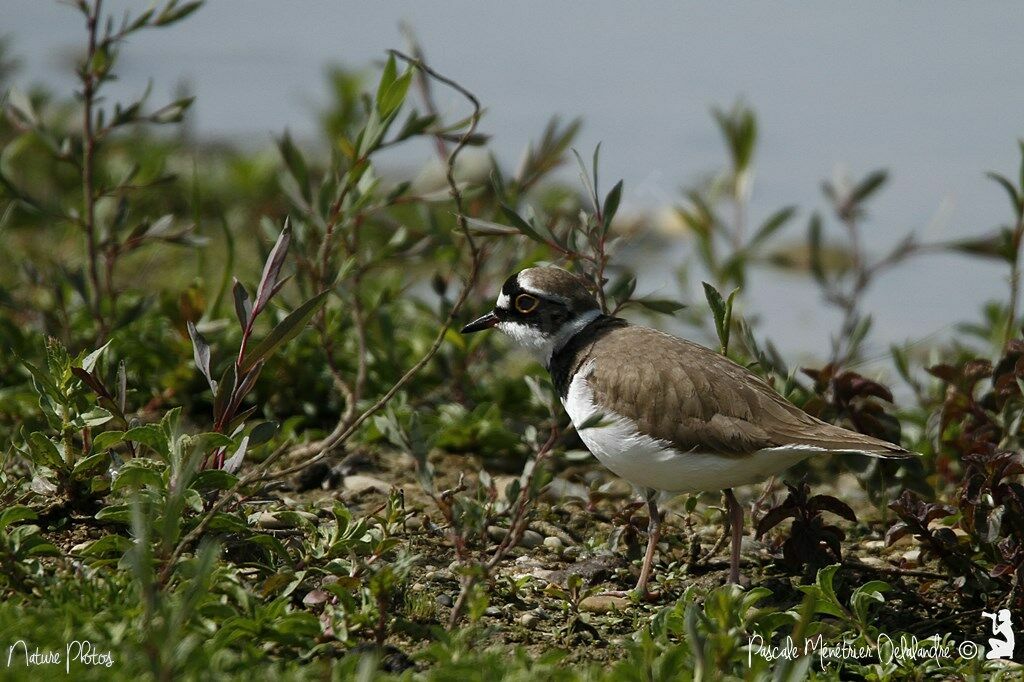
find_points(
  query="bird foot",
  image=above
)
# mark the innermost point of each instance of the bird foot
(742, 580)
(639, 595)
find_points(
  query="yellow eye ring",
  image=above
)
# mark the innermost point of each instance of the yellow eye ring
(526, 303)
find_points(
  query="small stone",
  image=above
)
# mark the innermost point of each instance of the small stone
(531, 539)
(528, 620)
(358, 483)
(271, 522)
(492, 611)
(444, 600)
(913, 556)
(603, 604)
(496, 533)
(417, 587)
(414, 523)
(315, 597)
(572, 552)
(553, 543)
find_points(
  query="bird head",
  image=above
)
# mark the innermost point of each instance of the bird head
(541, 309)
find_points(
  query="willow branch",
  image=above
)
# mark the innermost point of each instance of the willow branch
(318, 450)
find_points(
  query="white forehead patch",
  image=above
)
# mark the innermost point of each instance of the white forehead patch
(503, 301)
(527, 284)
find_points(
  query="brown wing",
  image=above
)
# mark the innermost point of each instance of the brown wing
(699, 400)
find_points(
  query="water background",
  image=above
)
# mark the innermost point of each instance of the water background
(930, 90)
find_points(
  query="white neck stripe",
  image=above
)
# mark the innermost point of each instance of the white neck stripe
(568, 331)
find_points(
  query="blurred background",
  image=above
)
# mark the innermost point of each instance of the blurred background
(843, 89)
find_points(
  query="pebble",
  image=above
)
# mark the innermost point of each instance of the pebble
(444, 600)
(553, 543)
(314, 597)
(572, 552)
(528, 620)
(271, 522)
(530, 539)
(418, 587)
(492, 611)
(358, 483)
(414, 523)
(603, 604)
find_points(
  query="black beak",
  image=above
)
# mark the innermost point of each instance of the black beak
(479, 324)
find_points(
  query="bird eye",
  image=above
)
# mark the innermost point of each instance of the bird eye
(526, 303)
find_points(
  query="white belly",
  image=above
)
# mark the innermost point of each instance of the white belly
(644, 461)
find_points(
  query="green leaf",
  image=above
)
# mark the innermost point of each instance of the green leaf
(868, 186)
(95, 417)
(227, 522)
(271, 277)
(520, 224)
(214, 479)
(89, 361)
(261, 433)
(44, 451)
(107, 545)
(814, 230)
(296, 165)
(1015, 199)
(611, 204)
(138, 473)
(15, 514)
(271, 543)
(395, 95)
(387, 78)
(722, 311)
(90, 466)
(44, 383)
(173, 12)
(107, 440)
(117, 513)
(151, 435)
(772, 225)
(660, 305)
(285, 331)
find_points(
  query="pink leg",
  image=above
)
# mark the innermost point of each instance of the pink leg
(736, 526)
(653, 535)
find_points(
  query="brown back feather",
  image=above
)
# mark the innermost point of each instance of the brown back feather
(699, 400)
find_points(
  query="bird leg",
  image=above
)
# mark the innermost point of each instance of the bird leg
(736, 526)
(653, 536)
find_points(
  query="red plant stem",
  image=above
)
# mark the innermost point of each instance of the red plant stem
(88, 164)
